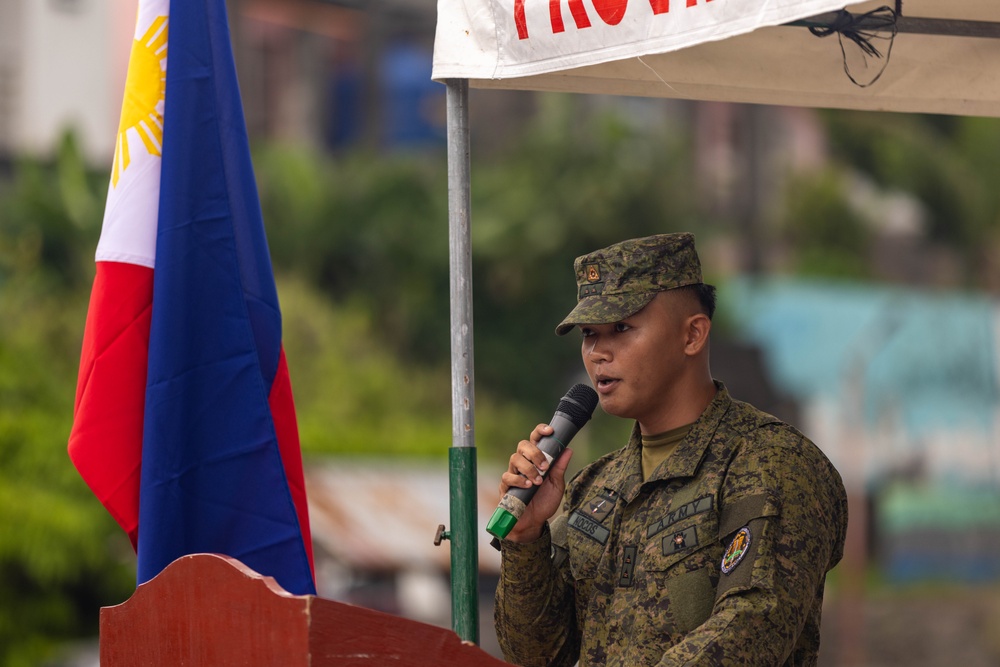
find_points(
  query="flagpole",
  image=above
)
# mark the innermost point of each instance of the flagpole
(462, 454)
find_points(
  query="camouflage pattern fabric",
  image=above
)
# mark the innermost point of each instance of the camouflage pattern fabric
(719, 558)
(618, 281)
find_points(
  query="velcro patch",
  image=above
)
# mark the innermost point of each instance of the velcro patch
(589, 527)
(629, 555)
(599, 507)
(680, 541)
(696, 506)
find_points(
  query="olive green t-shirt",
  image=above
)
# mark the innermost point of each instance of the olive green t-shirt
(657, 448)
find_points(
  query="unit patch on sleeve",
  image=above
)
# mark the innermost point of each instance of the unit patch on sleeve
(736, 550)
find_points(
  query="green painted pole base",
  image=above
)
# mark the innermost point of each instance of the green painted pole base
(464, 543)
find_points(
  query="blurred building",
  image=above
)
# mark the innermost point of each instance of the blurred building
(323, 73)
(901, 389)
(326, 74)
(62, 67)
(339, 73)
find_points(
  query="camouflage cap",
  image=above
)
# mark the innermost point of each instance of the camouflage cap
(618, 281)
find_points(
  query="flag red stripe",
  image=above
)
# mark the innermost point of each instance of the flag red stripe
(287, 430)
(106, 441)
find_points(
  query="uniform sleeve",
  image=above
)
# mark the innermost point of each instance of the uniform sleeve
(783, 520)
(534, 613)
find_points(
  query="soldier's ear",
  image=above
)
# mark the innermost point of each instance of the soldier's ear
(696, 330)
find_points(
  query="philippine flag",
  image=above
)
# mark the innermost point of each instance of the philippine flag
(184, 425)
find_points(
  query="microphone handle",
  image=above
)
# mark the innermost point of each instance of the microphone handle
(516, 499)
(552, 447)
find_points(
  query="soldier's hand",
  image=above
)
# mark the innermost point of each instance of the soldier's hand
(524, 471)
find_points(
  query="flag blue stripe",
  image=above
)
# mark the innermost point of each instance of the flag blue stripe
(212, 476)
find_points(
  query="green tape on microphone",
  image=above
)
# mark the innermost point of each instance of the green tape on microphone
(501, 523)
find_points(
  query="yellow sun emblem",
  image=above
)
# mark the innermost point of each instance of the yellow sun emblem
(142, 108)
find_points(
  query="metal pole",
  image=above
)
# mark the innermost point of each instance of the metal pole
(462, 454)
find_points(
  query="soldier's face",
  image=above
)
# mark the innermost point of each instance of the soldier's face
(637, 365)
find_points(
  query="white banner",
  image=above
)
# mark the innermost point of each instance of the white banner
(496, 39)
(944, 59)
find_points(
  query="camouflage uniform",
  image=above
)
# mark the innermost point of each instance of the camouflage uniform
(719, 558)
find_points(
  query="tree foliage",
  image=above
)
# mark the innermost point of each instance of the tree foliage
(829, 235)
(945, 162)
(354, 396)
(61, 555)
(374, 231)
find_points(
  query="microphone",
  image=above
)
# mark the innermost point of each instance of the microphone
(574, 410)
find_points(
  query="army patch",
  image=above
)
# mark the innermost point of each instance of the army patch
(593, 273)
(589, 527)
(696, 506)
(736, 550)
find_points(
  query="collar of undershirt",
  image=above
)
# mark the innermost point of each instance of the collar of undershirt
(671, 437)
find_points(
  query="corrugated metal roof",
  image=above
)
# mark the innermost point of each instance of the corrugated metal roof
(382, 515)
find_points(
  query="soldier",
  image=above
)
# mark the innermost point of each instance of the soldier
(705, 540)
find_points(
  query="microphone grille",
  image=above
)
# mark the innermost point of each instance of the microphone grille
(578, 404)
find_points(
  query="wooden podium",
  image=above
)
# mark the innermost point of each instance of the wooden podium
(207, 610)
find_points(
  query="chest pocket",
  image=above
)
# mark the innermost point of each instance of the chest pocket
(588, 535)
(678, 565)
(678, 545)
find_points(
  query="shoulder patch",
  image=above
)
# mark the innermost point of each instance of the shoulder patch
(736, 550)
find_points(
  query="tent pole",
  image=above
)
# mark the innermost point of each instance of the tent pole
(462, 454)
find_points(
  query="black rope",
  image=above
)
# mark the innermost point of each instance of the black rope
(863, 30)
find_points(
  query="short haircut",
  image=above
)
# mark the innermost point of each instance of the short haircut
(704, 294)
